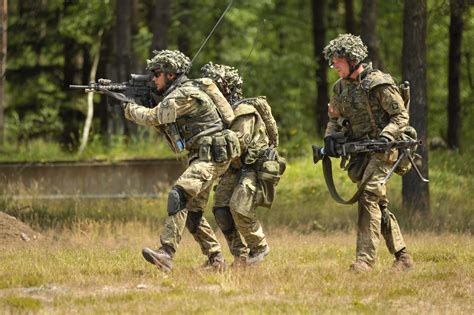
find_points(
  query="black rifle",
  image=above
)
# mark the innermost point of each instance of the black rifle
(139, 89)
(345, 149)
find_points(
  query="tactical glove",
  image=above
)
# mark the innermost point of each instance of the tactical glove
(330, 146)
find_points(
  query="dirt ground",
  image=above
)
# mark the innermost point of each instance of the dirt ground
(13, 230)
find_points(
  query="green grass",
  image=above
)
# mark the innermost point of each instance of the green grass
(91, 272)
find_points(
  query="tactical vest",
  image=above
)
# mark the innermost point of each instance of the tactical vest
(353, 98)
(203, 120)
(259, 141)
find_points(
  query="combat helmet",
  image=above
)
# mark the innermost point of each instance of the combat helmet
(227, 79)
(169, 61)
(346, 46)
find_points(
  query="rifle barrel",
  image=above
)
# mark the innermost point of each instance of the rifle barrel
(73, 86)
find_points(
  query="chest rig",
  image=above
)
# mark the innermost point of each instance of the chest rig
(362, 114)
(184, 132)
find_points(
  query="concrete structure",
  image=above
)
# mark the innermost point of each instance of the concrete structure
(89, 179)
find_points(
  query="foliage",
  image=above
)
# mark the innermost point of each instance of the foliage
(269, 41)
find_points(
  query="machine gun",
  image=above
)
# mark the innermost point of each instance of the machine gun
(345, 149)
(139, 89)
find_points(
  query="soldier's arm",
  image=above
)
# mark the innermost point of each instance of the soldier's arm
(334, 114)
(165, 112)
(243, 126)
(393, 104)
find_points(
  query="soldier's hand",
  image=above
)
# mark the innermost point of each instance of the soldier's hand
(384, 139)
(330, 146)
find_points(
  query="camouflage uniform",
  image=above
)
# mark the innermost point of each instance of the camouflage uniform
(194, 115)
(235, 200)
(372, 105)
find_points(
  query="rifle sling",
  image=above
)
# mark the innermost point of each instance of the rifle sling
(327, 171)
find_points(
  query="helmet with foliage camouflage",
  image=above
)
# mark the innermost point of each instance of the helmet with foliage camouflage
(172, 61)
(346, 46)
(227, 78)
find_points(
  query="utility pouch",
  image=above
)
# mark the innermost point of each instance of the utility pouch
(233, 144)
(219, 149)
(357, 165)
(267, 178)
(205, 149)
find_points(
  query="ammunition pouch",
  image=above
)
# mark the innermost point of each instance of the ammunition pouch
(356, 167)
(220, 147)
(270, 168)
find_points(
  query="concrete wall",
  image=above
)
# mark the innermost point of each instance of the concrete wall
(94, 179)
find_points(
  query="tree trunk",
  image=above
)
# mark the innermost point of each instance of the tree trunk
(160, 23)
(123, 64)
(368, 23)
(90, 97)
(3, 63)
(184, 42)
(416, 195)
(454, 97)
(319, 40)
(349, 17)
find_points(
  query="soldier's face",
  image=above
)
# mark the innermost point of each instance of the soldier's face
(341, 66)
(159, 80)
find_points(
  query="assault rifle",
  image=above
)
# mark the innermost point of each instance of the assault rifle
(139, 89)
(345, 149)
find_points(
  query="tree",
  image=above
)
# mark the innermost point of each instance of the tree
(3, 61)
(416, 193)
(368, 23)
(319, 40)
(160, 22)
(349, 17)
(457, 8)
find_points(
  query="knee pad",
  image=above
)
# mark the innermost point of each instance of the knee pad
(224, 219)
(176, 200)
(193, 220)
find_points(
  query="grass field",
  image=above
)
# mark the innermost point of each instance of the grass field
(98, 268)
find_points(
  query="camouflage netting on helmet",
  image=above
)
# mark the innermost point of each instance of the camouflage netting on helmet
(168, 61)
(346, 46)
(227, 78)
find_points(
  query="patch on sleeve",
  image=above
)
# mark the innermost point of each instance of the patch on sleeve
(167, 112)
(395, 106)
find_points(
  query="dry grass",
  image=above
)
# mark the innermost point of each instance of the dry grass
(97, 268)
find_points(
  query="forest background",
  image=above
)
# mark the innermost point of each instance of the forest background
(277, 47)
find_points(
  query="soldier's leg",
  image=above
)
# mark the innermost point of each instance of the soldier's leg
(244, 213)
(370, 216)
(172, 231)
(198, 177)
(390, 229)
(198, 226)
(223, 215)
(394, 239)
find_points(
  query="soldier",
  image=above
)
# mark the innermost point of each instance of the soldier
(238, 193)
(189, 119)
(367, 105)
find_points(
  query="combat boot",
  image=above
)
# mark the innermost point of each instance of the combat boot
(257, 257)
(161, 258)
(403, 260)
(360, 266)
(215, 262)
(239, 262)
